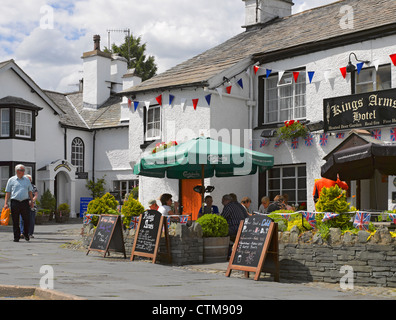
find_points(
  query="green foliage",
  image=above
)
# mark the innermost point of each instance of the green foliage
(48, 201)
(131, 208)
(213, 225)
(104, 205)
(97, 188)
(145, 67)
(291, 130)
(333, 200)
(64, 207)
(135, 193)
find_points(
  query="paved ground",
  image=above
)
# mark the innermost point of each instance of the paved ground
(94, 277)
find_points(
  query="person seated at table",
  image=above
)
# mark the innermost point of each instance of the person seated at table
(166, 205)
(209, 208)
(153, 205)
(246, 202)
(286, 202)
(234, 213)
(265, 202)
(277, 204)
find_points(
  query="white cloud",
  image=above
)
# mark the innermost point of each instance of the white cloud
(173, 30)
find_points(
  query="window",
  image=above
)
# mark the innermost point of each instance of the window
(124, 187)
(372, 80)
(153, 123)
(77, 154)
(4, 176)
(284, 99)
(23, 123)
(291, 180)
(5, 122)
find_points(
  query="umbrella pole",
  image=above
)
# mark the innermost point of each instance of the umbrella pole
(203, 187)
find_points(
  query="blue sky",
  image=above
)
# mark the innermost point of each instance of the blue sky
(47, 37)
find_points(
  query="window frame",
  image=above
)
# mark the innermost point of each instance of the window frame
(129, 186)
(12, 123)
(147, 122)
(374, 78)
(264, 95)
(78, 162)
(25, 126)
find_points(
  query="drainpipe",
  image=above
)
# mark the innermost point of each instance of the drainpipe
(65, 144)
(93, 156)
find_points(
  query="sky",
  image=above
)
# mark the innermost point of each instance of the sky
(47, 38)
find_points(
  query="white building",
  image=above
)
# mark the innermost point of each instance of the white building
(64, 139)
(282, 67)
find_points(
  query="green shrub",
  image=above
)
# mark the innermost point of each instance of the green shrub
(64, 207)
(213, 226)
(48, 201)
(104, 205)
(131, 208)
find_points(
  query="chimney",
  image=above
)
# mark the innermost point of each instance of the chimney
(97, 76)
(258, 12)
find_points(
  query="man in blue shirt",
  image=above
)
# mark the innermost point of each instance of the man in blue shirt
(19, 191)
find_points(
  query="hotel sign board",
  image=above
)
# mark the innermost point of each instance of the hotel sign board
(373, 109)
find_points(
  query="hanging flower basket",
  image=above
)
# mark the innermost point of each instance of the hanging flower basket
(291, 130)
(162, 146)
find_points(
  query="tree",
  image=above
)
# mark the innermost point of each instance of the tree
(97, 188)
(145, 67)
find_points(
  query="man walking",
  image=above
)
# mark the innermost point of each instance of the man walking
(19, 191)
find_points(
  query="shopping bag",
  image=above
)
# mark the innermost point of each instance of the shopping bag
(5, 217)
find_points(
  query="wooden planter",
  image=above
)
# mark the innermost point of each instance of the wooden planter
(61, 216)
(215, 249)
(41, 219)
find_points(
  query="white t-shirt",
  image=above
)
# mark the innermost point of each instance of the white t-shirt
(164, 210)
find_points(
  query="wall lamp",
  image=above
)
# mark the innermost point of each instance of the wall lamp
(351, 67)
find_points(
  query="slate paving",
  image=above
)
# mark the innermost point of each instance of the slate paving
(93, 277)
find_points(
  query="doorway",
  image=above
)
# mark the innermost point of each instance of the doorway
(190, 200)
(62, 188)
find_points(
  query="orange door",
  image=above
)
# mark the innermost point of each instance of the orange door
(191, 200)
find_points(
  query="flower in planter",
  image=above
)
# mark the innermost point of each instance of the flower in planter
(162, 146)
(292, 130)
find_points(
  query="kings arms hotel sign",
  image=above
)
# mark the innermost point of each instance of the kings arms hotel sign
(373, 109)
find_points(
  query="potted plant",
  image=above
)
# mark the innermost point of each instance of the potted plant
(63, 212)
(104, 205)
(42, 216)
(291, 130)
(48, 202)
(216, 241)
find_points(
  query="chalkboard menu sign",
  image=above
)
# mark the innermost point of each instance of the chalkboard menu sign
(148, 235)
(108, 236)
(256, 246)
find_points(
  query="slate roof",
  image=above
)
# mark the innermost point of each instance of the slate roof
(75, 115)
(317, 26)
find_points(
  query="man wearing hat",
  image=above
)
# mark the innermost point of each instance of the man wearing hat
(153, 205)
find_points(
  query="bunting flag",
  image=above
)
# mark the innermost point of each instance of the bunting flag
(228, 89)
(328, 216)
(265, 142)
(393, 57)
(147, 104)
(171, 98)
(195, 103)
(183, 219)
(134, 223)
(310, 217)
(268, 72)
(295, 76)
(362, 220)
(159, 99)
(311, 75)
(343, 72)
(359, 67)
(393, 217)
(340, 135)
(393, 134)
(208, 99)
(324, 139)
(240, 83)
(278, 143)
(295, 143)
(135, 105)
(87, 218)
(376, 134)
(309, 140)
(183, 103)
(256, 68)
(129, 103)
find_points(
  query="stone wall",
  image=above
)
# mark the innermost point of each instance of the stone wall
(307, 257)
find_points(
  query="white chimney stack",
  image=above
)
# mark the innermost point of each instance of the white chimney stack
(258, 12)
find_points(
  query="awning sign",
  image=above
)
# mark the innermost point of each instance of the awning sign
(365, 110)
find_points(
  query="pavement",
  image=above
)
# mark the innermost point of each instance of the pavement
(52, 259)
